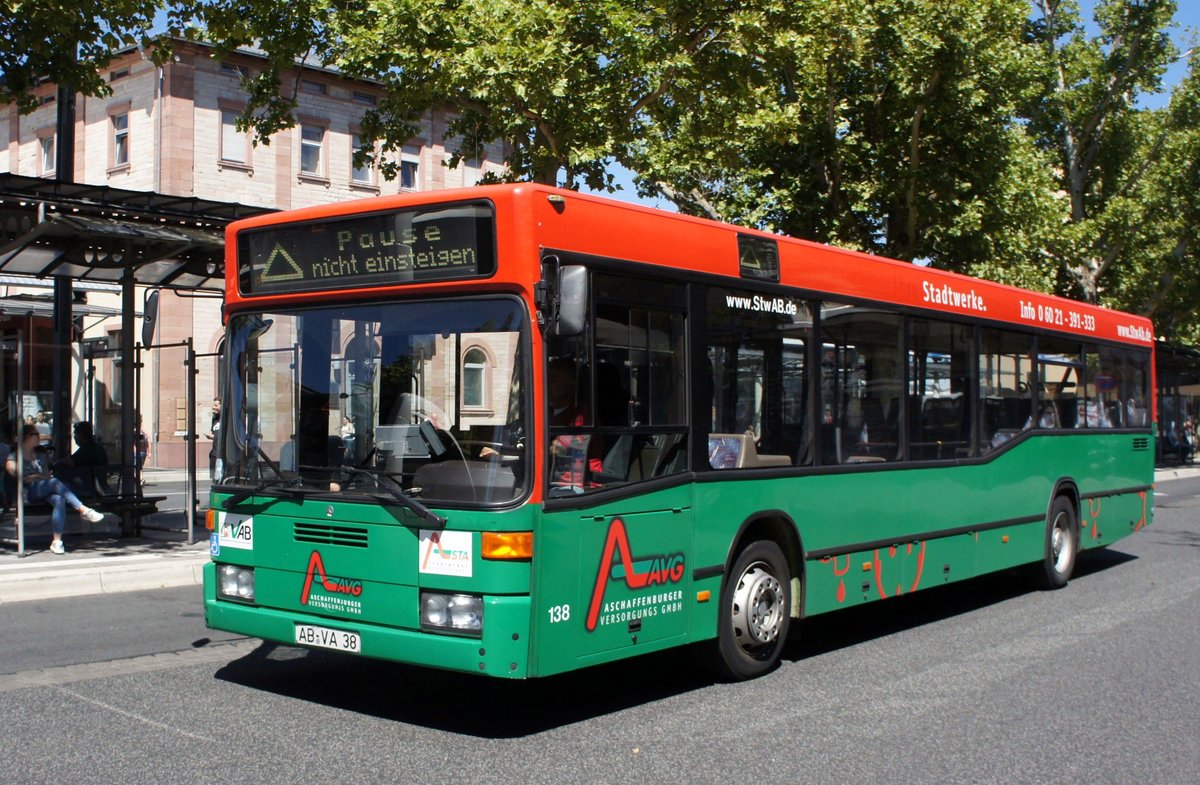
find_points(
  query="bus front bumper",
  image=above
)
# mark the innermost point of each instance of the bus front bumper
(503, 651)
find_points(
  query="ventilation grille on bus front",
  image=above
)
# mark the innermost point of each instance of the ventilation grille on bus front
(326, 534)
(1141, 443)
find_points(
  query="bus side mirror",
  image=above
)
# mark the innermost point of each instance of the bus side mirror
(572, 290)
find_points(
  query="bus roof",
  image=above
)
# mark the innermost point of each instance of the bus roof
(531, 215)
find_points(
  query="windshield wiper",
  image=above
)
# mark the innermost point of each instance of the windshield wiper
(387, 483)
(290, 483)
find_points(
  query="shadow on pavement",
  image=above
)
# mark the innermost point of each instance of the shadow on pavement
(490, 708)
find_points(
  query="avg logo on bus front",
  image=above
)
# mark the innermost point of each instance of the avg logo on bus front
(644, 573)
(330, 592)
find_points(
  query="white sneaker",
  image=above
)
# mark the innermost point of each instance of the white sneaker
(57, 547)
(90, 515)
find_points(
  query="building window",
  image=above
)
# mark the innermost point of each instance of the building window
(234, 70)
(47, 156)
(409, 168)
(364, 174)
(120, 140)
(310, 86)
(234, 143)
(312, 144)
(474, 379)
(363, 98)
(119, 73)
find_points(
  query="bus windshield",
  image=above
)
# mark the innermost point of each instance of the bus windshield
(424, 399)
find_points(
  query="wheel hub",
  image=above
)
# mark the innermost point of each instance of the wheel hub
(757, 607)
(1061, 546)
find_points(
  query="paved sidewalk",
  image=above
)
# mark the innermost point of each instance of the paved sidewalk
(161, 558)
(101, 564)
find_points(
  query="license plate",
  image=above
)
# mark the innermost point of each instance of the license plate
(325, 638)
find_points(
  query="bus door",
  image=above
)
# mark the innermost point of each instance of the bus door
(617, 396)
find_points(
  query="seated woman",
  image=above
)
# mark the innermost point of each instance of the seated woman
(40, 486)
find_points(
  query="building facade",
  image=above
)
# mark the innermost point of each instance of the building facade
(172, 130)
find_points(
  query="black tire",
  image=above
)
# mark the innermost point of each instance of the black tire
(755, 612)
(1061, 545)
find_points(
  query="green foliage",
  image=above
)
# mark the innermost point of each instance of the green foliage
(884, 125)
(1004, 138)
(1085, 115)
(41, 36)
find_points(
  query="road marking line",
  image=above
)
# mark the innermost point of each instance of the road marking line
(69, 674)
(133, 716)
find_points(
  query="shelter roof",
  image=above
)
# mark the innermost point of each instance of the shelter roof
(98, 233)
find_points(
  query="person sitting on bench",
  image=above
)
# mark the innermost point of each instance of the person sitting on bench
(84, 471)
(40, 486)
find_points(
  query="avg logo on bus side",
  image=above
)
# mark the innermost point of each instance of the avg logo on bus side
(647, 571)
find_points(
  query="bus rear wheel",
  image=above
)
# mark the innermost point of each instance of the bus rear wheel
(755, 612)
(1062, 545)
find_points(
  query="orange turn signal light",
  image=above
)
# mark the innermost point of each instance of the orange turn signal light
(507, 545)
(210, 520)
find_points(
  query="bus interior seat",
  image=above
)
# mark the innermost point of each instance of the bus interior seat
(1068, 412)
(616, 461)
(642, 463)
(880, 430)
(633, 458)
(672, 454)
(747, 456)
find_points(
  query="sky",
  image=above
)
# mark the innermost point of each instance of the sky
(1187, 17)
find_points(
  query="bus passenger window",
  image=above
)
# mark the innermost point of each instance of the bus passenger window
(757, 374)
(862, 379)
(1060, 369)
(1005, 370)
(940, 406)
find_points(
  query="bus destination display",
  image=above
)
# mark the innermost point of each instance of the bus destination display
(380, 249)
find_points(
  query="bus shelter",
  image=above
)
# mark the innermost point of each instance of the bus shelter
(79, 236)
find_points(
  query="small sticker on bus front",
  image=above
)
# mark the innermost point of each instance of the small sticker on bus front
(235, 531)
(445, 553)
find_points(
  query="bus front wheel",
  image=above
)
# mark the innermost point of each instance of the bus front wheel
(1061, 545)
(754, 613)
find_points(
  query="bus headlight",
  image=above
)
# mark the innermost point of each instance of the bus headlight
(235, 582)
(453, 613)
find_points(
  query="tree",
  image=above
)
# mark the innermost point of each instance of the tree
(1160, 271)
(67, 43)
(1086, 116)
(886, 126)
(566, 86)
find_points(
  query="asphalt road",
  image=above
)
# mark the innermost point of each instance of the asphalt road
(987, 682)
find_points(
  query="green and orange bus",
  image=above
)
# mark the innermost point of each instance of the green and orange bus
(514, 430)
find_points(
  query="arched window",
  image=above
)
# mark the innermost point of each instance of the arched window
(474, 379)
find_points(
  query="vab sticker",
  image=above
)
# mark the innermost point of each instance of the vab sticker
(445, 553)
(644, 573)
(235, 531)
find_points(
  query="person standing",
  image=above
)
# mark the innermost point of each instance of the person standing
(40, 486)
(6, 449)
(214, 433)
(45, 433)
